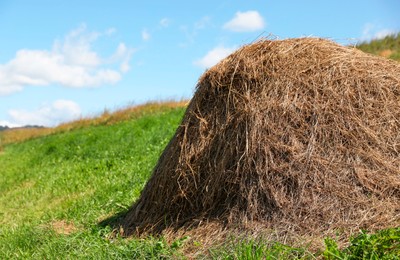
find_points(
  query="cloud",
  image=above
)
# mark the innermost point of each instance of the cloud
(165, 22)
(47, 115)
(245, 22)
(202, 23)
(373, 31)
(191, 32)
(383, 33)
(123, 54)
(213, 57)
(7, 85)
(6, 123)
(145, 35)
(70, 63)
(110, 31)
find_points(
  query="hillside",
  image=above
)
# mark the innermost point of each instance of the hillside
(63, 189)
(55, 190)
(61, 194)
(388, 47)
(20, 134)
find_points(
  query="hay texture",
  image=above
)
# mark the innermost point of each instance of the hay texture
(298, 135)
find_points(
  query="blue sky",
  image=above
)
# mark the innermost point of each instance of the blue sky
(61, 60)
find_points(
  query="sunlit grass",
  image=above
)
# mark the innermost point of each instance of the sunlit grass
(58, 191)
(80, 177)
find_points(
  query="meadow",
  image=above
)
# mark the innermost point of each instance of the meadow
(60, 191)
(62, 188)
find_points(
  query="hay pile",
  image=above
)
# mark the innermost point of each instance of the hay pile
(298, 135)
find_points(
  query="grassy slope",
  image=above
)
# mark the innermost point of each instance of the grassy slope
(56, 189)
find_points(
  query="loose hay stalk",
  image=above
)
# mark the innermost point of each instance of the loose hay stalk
(301, 136)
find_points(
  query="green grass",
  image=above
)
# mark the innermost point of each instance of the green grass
(382, 245)
(58, 192)
(41, 243)
(260, 249)
(80, 177)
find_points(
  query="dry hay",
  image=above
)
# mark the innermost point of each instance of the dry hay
(300, 136)
(63, 227)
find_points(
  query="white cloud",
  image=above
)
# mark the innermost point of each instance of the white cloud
(383, 33)
(123, 54)
(245, 22)
(213, 57)
(7, 85)
(70, 63)
(76, 48)
(191, 32)
(165, 22)
(47, 115)
(110, 31)
(373, 31)
(145, 35)
(366, 31)
(6, 123)
(202, 23)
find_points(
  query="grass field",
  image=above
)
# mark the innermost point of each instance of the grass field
(57, 190)
(60, 186)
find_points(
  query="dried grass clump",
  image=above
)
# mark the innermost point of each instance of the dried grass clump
(300, 136)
